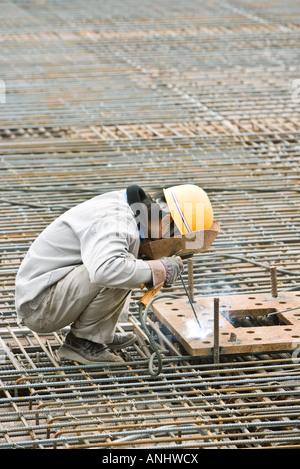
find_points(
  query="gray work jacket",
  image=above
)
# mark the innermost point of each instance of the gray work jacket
(100, 233)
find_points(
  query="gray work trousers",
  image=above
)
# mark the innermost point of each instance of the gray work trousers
(91, 310)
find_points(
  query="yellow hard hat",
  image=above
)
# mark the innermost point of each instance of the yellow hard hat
(189, 207)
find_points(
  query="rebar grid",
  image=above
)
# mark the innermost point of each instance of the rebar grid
(190, 405)
(100, 95)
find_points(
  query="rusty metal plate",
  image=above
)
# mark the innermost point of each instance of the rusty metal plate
(240, 321)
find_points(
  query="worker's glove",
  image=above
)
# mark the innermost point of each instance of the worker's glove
(165, 271)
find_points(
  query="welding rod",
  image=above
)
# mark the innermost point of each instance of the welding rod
(191, 302)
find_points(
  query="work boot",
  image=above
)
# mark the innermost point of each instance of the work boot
(122, 340)
(85, 351)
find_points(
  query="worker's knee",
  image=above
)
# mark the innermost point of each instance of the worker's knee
(39, 325)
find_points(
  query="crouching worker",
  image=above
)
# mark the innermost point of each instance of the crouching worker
(82, 267)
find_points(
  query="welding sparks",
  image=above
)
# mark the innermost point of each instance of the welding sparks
(192, 330)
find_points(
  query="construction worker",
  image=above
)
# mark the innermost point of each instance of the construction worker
(82, 267)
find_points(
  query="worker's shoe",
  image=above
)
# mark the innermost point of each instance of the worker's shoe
(122, 340)
(85, 351)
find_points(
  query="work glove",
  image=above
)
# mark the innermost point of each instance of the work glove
(165, 271)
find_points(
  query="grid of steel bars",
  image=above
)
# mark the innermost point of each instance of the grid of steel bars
(100, 95)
